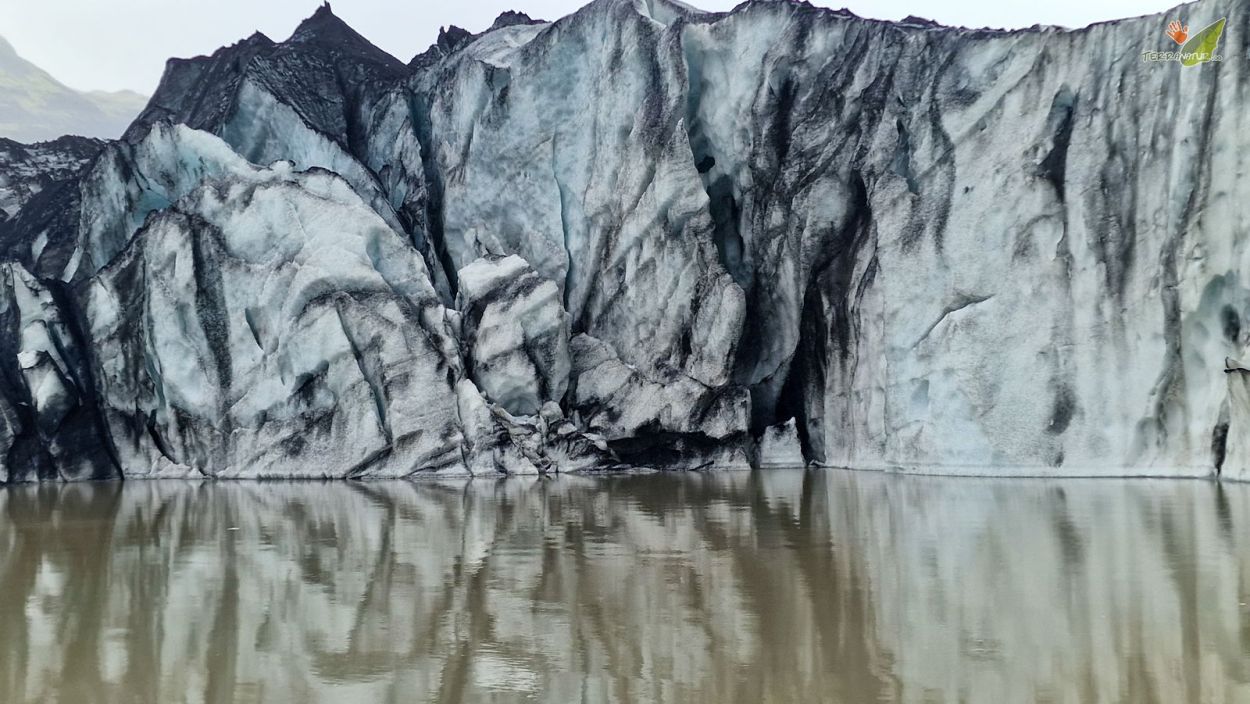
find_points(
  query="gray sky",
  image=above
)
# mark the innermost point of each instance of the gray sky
(115, 44)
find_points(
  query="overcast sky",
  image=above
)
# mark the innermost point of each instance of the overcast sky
(115, 44)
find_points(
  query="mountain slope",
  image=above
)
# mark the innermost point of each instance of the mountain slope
(35, 107)
(643, 235)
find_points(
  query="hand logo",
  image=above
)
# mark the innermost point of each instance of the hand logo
(1178, 32)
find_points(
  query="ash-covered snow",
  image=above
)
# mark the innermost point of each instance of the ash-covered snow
(647, 235)
(27, 169)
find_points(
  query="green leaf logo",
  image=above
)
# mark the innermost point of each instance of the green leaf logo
(1201, 48)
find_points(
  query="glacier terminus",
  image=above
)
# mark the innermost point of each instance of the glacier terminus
(643, 235)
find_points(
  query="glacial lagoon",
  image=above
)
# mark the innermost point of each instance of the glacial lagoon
(769, 586)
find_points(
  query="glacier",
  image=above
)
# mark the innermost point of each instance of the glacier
(644, 235)
(27, 169)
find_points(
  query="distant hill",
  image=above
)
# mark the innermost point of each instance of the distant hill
(35, 107)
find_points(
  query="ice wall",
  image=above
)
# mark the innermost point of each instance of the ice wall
(909, 246)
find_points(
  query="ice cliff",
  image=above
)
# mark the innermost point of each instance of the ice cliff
(645, 235)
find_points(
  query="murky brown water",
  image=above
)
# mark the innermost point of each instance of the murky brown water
(778, 586)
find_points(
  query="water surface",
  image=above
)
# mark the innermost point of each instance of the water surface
(777, 586)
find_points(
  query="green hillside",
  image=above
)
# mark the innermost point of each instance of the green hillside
(36, 107)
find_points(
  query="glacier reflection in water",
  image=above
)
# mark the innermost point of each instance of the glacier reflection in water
(752, 587)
